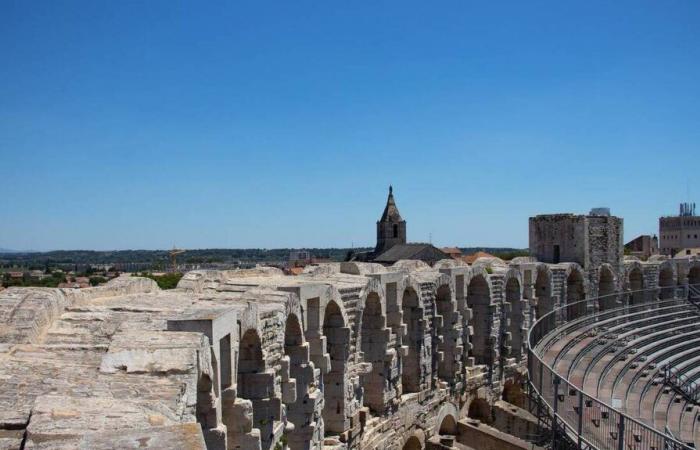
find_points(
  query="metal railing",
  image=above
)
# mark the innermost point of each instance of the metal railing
(576, 417)
(679, 382)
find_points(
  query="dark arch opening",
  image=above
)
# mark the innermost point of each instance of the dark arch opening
(411, 370)
(606, 289)
(481, 410)
(448, 426)
(636, 285)
(575, 293)
(514, 394)
(413, 443)
(666, 284)
(337, 346)
(479, 300)
(694, 276)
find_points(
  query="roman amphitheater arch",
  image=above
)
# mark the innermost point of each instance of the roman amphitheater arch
(413, 443)
(374, 339)
(337, 336)
(447, 419)
(445, 306)
(694, 274)
(543, 291)
(635, 284)
(300, 376)
(516, 316)
(255, 386)
(667, 280)
(411, 374)
(606, 288)
(480, 409)
(575, 292)
(479, 300)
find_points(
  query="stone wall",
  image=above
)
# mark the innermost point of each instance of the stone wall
(345, 356)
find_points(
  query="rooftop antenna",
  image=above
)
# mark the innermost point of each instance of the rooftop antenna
(430, 238)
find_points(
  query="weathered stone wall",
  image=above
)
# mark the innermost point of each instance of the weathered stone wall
(346, 356)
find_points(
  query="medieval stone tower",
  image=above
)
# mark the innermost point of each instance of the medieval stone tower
(391, 228)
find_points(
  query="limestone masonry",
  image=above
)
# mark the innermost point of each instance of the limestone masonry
(352, 355)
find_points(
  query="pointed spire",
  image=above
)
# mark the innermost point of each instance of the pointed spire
(391, 212)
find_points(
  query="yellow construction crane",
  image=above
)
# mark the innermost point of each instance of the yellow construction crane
(173, 256)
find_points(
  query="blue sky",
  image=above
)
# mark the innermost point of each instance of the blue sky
(278, 124)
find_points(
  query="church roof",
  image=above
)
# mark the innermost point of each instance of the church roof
(424, 252)
(391, 212)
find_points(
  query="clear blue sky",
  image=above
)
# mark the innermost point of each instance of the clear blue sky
(276, 124)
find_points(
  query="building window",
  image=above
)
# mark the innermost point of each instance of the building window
(396, 230)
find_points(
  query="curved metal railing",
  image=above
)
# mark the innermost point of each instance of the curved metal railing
(585, 420)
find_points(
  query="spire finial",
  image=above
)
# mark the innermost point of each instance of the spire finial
(391, 190)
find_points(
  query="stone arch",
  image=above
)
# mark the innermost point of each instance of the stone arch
(337, 336)
(635, 283)
(516, 323)
(575, 292)
(667, 280)
(543, 290)
(480, 409)
(479, 301)
(297, 378)
(448, 426)
(447, 420)
(413, 316)
(694, 274)
(448, 327)
(254, 387)
(374, 337)
(606, 287)
(415, 441)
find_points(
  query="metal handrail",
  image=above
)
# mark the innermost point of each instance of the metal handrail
(627, 428)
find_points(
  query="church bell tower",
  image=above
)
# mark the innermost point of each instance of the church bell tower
(391, 228)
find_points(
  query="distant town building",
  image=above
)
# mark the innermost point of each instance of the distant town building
(589, 240)
(679, 232)
(470, 259)
(299, 256)
(643, 246)
(452, 252)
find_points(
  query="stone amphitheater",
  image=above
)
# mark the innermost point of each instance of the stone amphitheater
(349, 355)
(358, 355)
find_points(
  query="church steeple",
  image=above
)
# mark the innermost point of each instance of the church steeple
(391, 228)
